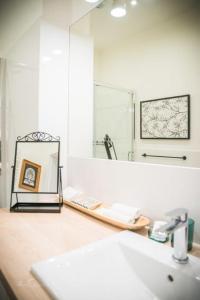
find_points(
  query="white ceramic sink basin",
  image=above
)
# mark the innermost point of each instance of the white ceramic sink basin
(125, 266)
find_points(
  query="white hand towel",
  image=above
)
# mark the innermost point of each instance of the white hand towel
(157, 225)
(70, 193)
(156, 234)
(132, 212)
(107, 212)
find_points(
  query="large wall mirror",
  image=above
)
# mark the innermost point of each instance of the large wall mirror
(118, 65)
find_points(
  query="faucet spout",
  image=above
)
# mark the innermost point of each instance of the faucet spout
(178, 225)
(172, 226)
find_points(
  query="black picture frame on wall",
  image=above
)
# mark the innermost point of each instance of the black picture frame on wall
(165, 118)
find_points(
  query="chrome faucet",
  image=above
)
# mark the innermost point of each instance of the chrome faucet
(179, 226)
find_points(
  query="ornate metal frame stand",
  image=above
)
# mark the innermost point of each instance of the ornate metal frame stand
(53, 207)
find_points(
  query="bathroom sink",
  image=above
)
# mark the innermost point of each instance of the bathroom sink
(125, 266)
(164, 277)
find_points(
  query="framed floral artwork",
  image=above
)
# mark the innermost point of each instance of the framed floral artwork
(165, 118)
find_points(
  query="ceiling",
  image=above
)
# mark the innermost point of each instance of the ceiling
(107, 30)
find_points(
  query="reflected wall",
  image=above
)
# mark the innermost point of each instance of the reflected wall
(154, 51)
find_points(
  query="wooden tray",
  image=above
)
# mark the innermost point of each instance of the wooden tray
(139, 224)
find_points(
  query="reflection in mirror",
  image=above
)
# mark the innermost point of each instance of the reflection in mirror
(113, 116)
(36, 180)
(36, 167)
(117, 63)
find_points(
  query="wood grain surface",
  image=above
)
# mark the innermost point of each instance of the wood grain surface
(26, 238)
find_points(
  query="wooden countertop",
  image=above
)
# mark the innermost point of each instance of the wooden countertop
(26, 238)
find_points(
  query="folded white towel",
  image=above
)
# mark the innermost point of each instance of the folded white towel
(132, 212)
(157, 225)
(108, 212)
(156, 234)
(70, 193)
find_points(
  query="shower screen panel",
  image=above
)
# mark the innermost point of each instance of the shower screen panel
(113, 116)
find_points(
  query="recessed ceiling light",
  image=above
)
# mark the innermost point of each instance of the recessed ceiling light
(92, 1)
(133, 2)
(118, 8)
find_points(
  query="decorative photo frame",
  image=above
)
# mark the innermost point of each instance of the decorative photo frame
(30, 176)
(165, 118)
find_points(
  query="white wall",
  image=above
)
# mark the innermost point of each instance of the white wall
(21, 98)
(81, 91)
(155, 188)
(160, 62)
(16, 18)
(36, 92)
(53, 85)
(3, 132)
(22, 83)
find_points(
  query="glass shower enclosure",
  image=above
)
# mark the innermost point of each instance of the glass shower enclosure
(114, 118)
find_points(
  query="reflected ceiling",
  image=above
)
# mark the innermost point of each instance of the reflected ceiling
(146, 14)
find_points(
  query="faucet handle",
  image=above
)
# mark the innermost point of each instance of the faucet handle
(178, 213)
